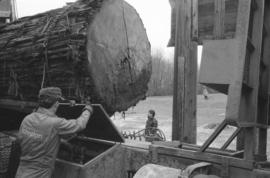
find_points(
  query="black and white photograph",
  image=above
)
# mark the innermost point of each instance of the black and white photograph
(134, 88)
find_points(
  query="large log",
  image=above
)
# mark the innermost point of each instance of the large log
(96, 48)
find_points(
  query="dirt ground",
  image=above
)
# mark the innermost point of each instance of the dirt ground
(209, 114)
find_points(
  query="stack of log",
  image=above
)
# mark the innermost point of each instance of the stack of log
(90, 48)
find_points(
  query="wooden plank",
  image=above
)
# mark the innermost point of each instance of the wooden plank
(175, 114)
(175, 122)
(250, 107)
(212, 150)
(235, 88)
(219, 24)
(190, 83)
(213, 136)
(206, 157)
(195, 31)
(190, 113)
(181, 94)
(14, 13)
(234, 97)
(193, 147)
(263, 100)
(171, 42)
(185, 77)
(178, 70)
(175, 144)
(229, 141)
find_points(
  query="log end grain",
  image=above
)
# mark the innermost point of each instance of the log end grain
(119, 55)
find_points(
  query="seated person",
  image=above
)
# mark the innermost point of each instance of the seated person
(151, 124)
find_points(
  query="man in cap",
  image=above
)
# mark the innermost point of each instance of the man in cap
(40, 133)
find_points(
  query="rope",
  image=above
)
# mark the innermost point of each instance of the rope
(45, 65)
(47, 25)
(43, 76)
(51, 23)
(14, 86)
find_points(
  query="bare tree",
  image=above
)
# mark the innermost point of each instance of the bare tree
(161, 82)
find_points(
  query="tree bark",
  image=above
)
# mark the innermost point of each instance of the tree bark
(90, 48)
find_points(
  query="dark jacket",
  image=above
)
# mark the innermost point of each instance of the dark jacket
(151, 126)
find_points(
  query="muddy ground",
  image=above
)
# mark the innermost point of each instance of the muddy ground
(209, 114)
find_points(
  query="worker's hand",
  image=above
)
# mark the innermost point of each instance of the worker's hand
(88, 105)
(72, 102)
(89, 108)
(87, 100)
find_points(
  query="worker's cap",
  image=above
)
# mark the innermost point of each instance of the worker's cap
(53, 92)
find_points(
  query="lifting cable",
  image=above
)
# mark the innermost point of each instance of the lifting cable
(51, 23)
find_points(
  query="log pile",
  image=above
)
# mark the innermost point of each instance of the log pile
(90, 48)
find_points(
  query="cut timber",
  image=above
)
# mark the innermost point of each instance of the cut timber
(185, 75)
(94, 48)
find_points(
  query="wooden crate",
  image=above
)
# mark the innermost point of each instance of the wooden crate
(105, 159)
(96, 152)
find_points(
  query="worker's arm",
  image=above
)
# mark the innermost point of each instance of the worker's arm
(64, 126)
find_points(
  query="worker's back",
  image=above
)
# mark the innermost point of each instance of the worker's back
(39, 145)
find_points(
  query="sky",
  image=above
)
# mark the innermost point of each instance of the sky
(155, 14)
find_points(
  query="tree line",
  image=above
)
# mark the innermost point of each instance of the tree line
(161, 82)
